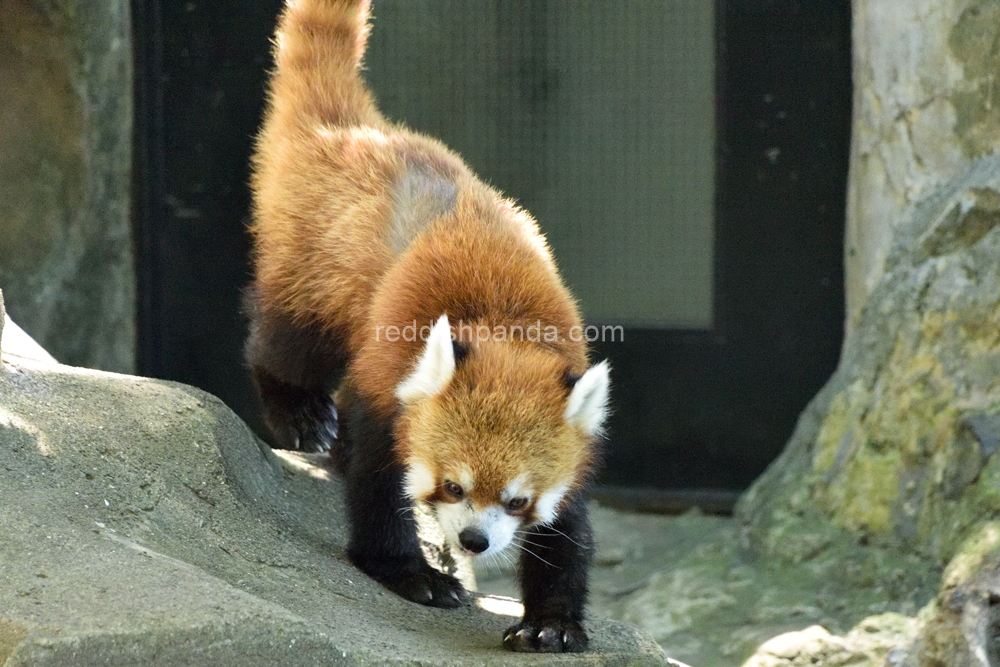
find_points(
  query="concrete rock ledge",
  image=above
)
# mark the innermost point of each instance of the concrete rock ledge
(142, 523)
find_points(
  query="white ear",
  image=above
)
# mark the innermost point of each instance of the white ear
(434, 368)
(587, 405)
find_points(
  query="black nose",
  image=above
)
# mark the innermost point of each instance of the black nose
(474, 540)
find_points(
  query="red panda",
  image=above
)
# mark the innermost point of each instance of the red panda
(363, 228)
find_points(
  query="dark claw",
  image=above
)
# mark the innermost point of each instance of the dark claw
(417, 582)
(546, 636)
(312, 427)
(432, 588)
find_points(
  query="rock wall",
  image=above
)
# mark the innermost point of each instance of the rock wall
(898, 447)
(897, 454)
(925, 108)
(65, 152)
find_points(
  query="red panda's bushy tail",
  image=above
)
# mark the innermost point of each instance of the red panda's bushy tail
(319, 45)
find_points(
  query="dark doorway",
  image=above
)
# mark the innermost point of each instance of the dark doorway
(706, 393)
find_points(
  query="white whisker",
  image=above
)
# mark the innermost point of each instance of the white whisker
(535, 555)
(508, 558)
(556, 530)
(402, 513)
(494, 562)
(534, 544)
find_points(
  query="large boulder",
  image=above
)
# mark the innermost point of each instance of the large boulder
(898, 451)
(897, 454)
(143, 523)
(958, 628)
(898, 448)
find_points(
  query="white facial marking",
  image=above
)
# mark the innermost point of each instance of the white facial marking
(434, 368)
(547, 503)
(587, 405)
(516, 489)
(498, 526)
(419, 481)
(466, 479)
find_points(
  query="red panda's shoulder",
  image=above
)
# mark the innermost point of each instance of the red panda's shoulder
(492, 278)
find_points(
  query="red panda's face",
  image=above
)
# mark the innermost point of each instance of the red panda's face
(478, 521)
(495, 443)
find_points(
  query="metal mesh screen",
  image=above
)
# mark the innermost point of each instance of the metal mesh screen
(596, 115)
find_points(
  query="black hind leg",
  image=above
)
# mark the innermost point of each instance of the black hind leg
(384, 541)
(299, 418)
(295, 369)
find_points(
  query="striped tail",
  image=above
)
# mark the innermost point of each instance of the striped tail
(319, 45)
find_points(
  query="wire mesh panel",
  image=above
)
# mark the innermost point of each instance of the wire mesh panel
(596, 115)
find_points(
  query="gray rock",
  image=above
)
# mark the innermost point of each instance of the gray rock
(986, 429)
(924, 112)
(959, 628)
(66, 113)
(142, 523)
(15, 342)
(875, 642)
(899, 446)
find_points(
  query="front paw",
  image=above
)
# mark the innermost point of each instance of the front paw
(551, 635)
(432, 588)
(417, 582)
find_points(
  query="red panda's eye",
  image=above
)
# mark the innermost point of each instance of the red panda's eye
(454, 489)
(515, 504)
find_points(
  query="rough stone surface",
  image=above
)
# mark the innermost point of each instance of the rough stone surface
(875, 642)
(898, 450)
(684, 581)
(899, 447)
(925, 108)
(960, 628)
(143, 523)
(957, 629)
(66, 113)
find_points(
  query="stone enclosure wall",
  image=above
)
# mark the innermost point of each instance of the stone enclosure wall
(898, 447)
(925, 106)
(65, 153)
(898, 451)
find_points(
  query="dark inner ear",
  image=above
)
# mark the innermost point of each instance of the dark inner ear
(460, 350)
(570, 378)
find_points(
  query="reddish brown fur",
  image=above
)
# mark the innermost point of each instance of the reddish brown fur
(469, 423)
(324, 173)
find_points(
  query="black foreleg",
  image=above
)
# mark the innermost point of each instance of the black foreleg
(553, 570)
(384, 541)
